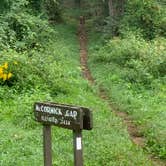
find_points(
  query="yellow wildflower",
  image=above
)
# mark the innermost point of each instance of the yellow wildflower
(9, 75)
(5, 66)
(1, 70)
(15, 62)
(4, 77)
(1, 75)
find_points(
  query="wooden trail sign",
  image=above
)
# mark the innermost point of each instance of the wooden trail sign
(66, 116)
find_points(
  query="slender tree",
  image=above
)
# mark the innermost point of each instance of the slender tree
(116, 7)
(116, 11)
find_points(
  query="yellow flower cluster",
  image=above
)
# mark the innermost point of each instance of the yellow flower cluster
(4, 74)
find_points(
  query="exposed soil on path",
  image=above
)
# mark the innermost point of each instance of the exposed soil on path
(133, 130)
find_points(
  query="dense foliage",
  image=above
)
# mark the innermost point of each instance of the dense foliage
(145, 60)
(24, 36)
(145, 17)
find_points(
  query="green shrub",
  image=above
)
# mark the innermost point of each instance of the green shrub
(23, 31)
(35, 72)
(53, 10)
(36, 6)
(144, 61)
(120, 50)
(145, 16)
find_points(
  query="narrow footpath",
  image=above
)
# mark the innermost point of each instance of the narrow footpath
(133, 130)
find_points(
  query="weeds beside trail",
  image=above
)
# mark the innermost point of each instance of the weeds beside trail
(132, 129)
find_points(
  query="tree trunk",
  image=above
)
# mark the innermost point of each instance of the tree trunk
(116, 7)
(111, 8)
(116, 10)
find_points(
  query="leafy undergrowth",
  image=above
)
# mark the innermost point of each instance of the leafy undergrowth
(132, 72)
(53, 74)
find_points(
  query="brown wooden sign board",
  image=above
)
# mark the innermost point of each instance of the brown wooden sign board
(65, 116)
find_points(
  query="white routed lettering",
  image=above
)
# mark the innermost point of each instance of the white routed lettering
(72, 114)
(47, 109)
(41, 108)
(49, 119)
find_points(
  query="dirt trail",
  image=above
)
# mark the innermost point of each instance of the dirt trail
(133, 130)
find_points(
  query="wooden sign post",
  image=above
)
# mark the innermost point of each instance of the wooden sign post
(77, 142)
(66, 116)
(47, 145)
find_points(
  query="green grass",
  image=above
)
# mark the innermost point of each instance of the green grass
(145, 105)
(21, 137)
